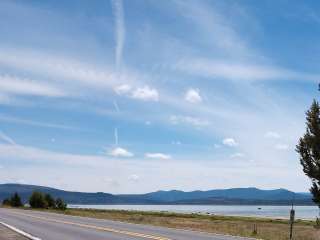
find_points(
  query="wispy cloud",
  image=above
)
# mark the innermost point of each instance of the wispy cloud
(231, 142)
(146, 94)
(196, 122)
(120, 152)
(6, 138)
(41, 156)
(158, 156)
(214, 28)
(225, 69)
(116, 106)
(193, 96)
(64, 69)
(116, 136)
(11, 119)
(117, 6)
(23, 86)
(122, 89)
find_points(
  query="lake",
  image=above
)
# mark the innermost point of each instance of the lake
(302, 212)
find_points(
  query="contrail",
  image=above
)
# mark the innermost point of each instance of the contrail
(6, 138)
(116, 136)
(117, 8)
(116, 106)
(118, 12)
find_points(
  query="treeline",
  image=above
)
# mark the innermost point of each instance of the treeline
(36, 200)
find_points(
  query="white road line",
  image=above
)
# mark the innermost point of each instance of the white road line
(27, 235)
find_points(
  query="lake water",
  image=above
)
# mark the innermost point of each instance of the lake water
(302, 212)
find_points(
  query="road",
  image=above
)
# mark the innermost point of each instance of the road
(51, 226)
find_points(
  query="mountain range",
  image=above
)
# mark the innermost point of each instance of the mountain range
(243, 196)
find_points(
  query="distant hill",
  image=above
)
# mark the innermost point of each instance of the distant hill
(71, 197)
(229, 196)
(251, 196)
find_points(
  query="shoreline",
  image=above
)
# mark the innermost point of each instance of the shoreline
(195, 214)
(261, 210)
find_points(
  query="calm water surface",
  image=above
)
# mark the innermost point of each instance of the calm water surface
(302, 212)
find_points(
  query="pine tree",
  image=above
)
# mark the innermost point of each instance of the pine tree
(37, 200)
(309, 150)
(16, 200)
(50, 201)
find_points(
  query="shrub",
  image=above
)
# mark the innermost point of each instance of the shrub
(50, 201)
(60, 204)
(37, 200)
(15, 200)
(6, 202)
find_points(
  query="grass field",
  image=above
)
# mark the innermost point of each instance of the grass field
(268, 229)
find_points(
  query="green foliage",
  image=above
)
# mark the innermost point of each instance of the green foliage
(60, 204)
(50, 201)
(309, 150)
(37, 200)
(15, 200)
(6, 202)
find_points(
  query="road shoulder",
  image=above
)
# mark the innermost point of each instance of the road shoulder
(8, 234)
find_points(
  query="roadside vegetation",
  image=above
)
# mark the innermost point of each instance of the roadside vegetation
(37, 200)
(260, 228)
(13, 201)
(309, 151)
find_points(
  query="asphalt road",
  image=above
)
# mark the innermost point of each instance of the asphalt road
(51, 226)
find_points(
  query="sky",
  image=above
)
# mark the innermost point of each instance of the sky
(136, 96)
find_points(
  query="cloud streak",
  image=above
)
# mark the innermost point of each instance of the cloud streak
(67, 70)
(239, 71)
(158, 156)
(11, 119)
(42, 156)
(6, 138)
(116, 136)
(22, 86)
(146, 94)
(194, 121)
(117, 6)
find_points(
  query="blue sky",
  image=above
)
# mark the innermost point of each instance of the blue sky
(136, 96)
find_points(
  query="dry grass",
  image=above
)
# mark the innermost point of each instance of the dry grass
(7, 234)
(268, 229)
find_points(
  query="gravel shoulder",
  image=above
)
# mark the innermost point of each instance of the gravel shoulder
(8, 234)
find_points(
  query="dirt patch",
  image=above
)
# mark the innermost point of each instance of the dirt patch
(8, 234)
